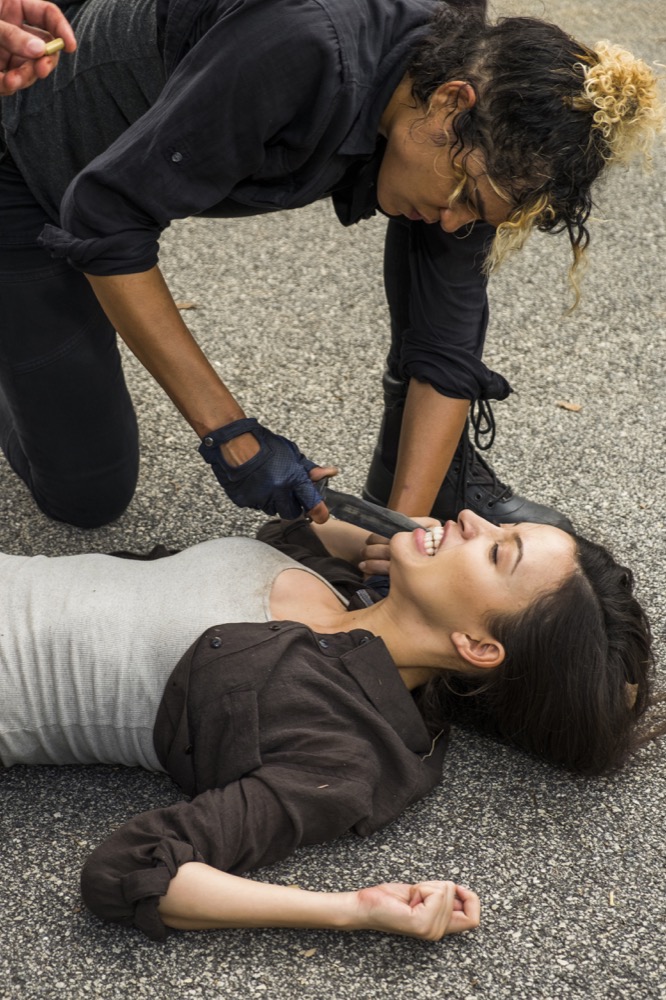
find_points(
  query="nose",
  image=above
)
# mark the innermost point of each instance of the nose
(452, 219)
(471, 525)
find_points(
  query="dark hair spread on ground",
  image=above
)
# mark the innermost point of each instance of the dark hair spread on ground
(550, 114)
(577, 675)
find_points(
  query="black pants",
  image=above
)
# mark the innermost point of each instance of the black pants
(67, 425)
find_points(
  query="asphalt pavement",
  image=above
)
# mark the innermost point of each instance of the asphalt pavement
(571, 872)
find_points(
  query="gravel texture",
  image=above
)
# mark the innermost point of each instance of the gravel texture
(571, 872)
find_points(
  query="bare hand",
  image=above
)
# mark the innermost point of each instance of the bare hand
(376, 554)
(25, 25)
(427, 910)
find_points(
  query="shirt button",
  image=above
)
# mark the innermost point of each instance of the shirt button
(323, 643)
(216, 642)
(188, 749)
(274, 628)
(364, 640)
(176, 157)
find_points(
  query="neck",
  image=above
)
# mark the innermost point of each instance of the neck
(401, 99)
(381, 619)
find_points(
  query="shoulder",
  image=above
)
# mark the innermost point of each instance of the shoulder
(281, 21)
(297, 540)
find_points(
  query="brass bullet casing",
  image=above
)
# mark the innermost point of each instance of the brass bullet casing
(51, 48)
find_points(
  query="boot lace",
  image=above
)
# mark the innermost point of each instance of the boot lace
(483, 421)
(473, 469)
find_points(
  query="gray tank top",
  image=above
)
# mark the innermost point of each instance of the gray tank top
(87, 643)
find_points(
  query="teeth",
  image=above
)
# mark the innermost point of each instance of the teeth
(433, 539)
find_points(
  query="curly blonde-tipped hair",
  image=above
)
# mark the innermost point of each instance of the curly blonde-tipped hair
(620, 94)
(550, 116)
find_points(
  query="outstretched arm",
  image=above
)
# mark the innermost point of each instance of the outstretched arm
(141, 308)
(25, 25)
(431, 428)
(202, 898)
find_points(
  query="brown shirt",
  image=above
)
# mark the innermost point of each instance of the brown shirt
(283, 737)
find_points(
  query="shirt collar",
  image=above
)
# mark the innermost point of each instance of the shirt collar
(374, 670)
(361, 138)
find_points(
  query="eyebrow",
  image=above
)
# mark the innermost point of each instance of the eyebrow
(476, 198)
(519, 546)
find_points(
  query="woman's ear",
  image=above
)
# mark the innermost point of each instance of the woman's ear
(455, 95)
(484, 653)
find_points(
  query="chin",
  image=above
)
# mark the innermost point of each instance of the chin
(403, 547)
(384, 203)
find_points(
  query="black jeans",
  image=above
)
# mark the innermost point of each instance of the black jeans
(67, 425)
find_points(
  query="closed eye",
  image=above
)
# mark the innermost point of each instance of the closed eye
(494, 553)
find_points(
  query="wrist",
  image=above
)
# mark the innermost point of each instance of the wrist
(240, 450)
(236, 441)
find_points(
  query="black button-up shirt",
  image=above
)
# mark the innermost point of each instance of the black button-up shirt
(268, 105)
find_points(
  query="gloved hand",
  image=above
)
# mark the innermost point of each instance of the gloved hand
(275, 480)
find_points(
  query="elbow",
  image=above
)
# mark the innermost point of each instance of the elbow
(101, 888)
(126, 898)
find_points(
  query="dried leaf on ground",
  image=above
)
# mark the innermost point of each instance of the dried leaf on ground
(565, 405)
(184, 304)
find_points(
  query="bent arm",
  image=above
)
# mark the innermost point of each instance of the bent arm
(370, 554)
(203, 898)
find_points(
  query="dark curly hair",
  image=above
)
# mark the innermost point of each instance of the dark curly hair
(577, 675)
(550, 113)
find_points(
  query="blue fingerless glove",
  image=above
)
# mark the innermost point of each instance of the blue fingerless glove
(275, 480)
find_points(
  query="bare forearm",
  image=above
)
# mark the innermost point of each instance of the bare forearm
(145, 315)
(431, 428)
(343, 540)
(201, 898)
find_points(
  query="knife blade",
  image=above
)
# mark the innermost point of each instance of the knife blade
(364, 514)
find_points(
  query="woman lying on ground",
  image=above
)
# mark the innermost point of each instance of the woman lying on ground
(304, 722)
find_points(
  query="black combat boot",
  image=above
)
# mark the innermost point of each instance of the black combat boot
(470, 482)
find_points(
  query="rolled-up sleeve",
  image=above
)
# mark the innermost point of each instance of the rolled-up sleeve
(247, 824)
(233, 96)
(448, 313)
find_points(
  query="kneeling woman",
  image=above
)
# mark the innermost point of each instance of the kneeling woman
(304, 722)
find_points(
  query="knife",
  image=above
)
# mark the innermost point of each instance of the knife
(364, 514)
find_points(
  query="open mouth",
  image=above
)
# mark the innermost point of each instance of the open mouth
(433, 539)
